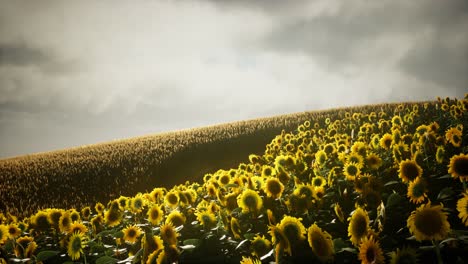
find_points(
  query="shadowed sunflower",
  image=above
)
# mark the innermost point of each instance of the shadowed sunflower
(113, 217)
(281, 242)
(248, 260)
(409, 170)
(373, 161)
(406, 255)
(339, 212)
(355, 158)
(428, 223)
(65, 222)
(25, 247)
(440, 154)
(40, 221)
(123, 203)
(153, 257)
(318, 181)
(268, 171)
(74, 215)
(370, 252)
(358, 226)
(293, 229)
(136, 204)
(176, 218)
(54, 217)
(249, 201)
(131, 233)
(169, 234)
(76, 243)
(320, 157)
(274, 188)
(417, 190)
(462, 207)
(260, 246)
(458, 167)
(235, 228)
(320, 242)
(99, 207)
(86, 212)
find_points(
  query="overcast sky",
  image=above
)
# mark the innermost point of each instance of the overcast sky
(82, 72)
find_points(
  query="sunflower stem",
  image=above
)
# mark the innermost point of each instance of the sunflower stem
(437, 249)
(464, 185)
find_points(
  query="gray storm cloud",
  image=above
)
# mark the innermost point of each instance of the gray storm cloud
(82, 72)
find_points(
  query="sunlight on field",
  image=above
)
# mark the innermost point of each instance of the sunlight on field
(376, 184)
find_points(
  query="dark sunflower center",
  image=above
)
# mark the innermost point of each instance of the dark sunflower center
(76, 244)
(274, 187)
(137, 203)
(260, 247)
(410, 171)
(172, 198)
(460, 166)
(131, 233)
(372, 160)
(268, 171)
(320, 245)
(359, 226)
(352, 170)
(418, 190)
(428, 222)
(42, 222)
(250, 201)
(387, 142)
(66, 221)
(113, 216)
(370, 255)
(292, 232)
(154, 213)
(224, 179)
(317, 182)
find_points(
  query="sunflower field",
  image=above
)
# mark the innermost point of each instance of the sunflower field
(376, 186)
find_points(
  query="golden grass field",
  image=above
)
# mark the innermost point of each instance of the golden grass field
(370, 184)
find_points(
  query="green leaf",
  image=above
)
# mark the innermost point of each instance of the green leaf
(339, 244)
(46, 254)
(249, 236)
(391, 183)
(194, 242)
(106, 260)
(445, 193)
(393, 200)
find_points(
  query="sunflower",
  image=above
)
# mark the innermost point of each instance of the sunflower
(124, 202)
(351, 170)
(99, 207)
(318, 181)
(274, 188)
(417, 190)
(386, 141)
(171, 199)
(207, 219)
(153, 257)
(131, 233)
(155, 214)
(454, 136)
(113, 217)
(440, 154)
(458, 166)
(293, 229)
(74, 215)
(358, 226)
(76, 243)
(86, 212)
(96, 223)
(136, 204)
(157, 194)
(176, 218)
(339, 212)
(3, 234)
(54, 217)
(321, 157)
(319, 192)
(260, 246)
(25, 247)
(406, 255)
(65, 222)
(370, 252)
(428, 223)
(320, 242)
(40, 221)
(462, 207)
(224, 179)
(13, 231)
(409, 170)
(77, 227)
(248, 260)
(169, 234)
(235, 228)
(279, 239)
(249, 201)
(373, 161)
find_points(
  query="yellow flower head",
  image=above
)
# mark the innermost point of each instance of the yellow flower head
(458, 167)
(77, 227)
(3, 234)
(249, 201)
(351, 170)
(373, 161)
(260, 246)
(171, 199)
(169, 234)
(273, 188)
(131, 233)
(76, 243)
(25, 247)
(417, 191)
(454, 136)
(386, 141)
(358, 226)
(293, 229)
(99, 207)
(318, 181)
(113, 217)
(86, 212)
(13, 231)
(155, 214)
(320, 242)
(409, 171)
(462, 207)
(207, 219)
(370, 252)
(428, 223)
(176, 218)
